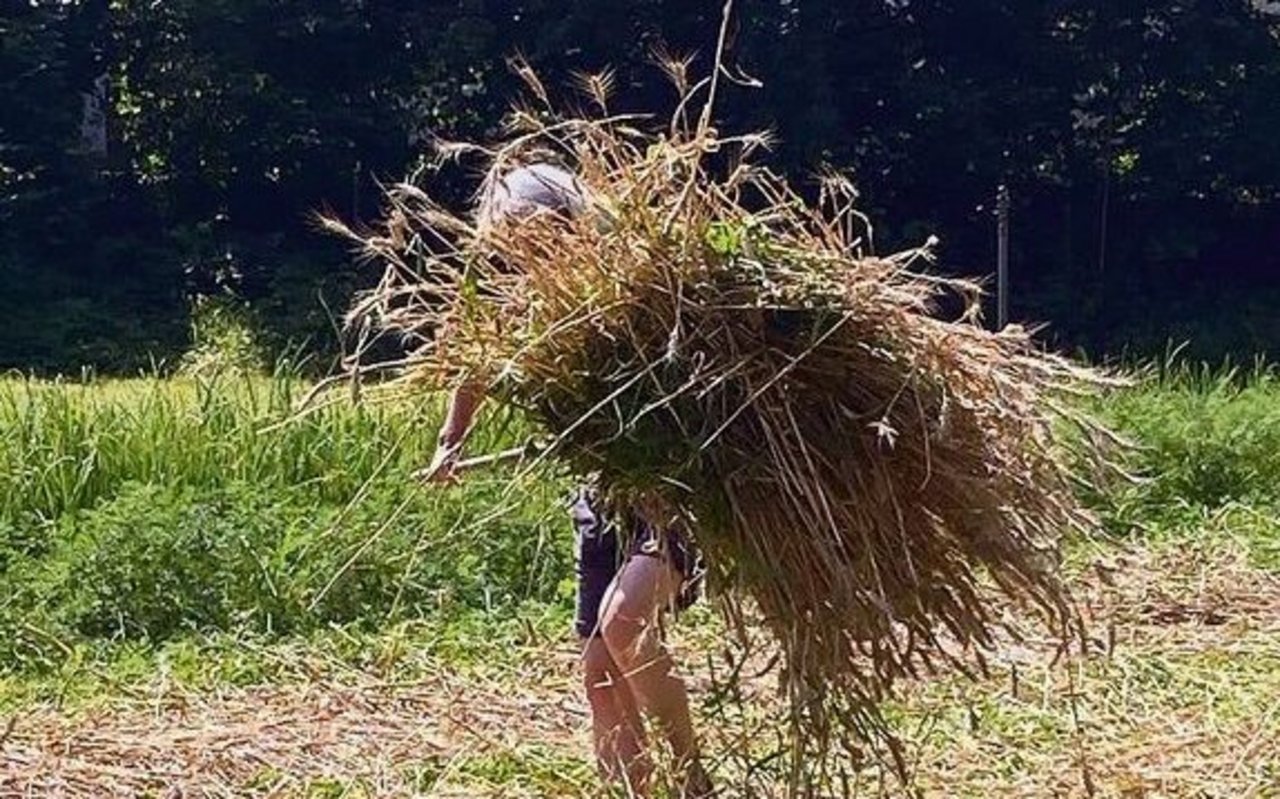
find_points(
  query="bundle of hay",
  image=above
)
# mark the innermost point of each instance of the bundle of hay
(732, 360)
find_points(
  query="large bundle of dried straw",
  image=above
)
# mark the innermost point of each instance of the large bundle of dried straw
(731, 359)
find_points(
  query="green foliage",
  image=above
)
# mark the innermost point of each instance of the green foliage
(68, 446)
(153, 563)
(224, 337)
(1137, 140)
(145, 510)
(150, 509)
(1204, 456)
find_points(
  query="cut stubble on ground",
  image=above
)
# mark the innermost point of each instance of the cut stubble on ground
(1175, 700)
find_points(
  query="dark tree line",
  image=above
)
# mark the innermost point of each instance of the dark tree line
(1139, 141)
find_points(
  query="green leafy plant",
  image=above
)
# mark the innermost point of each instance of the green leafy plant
(224, 337)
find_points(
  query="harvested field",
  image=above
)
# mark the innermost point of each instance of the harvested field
(1175, 700)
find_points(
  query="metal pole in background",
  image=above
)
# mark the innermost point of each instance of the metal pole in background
(1002, 257)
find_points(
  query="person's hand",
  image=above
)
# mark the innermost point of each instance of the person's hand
(442, 469)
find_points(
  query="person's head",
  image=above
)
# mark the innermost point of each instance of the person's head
(526, 190)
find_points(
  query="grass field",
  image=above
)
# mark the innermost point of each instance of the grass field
(197, 596)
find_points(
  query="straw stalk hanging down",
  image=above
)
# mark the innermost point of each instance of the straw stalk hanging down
(731, 359)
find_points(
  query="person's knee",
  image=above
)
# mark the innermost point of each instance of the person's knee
(597, 668)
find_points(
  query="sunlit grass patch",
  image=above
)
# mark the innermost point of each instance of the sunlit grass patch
(463, 606)
(531, 638)
(150, 510)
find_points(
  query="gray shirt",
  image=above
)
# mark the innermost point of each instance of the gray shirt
(526, 189)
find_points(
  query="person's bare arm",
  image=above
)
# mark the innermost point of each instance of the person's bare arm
(463, 404)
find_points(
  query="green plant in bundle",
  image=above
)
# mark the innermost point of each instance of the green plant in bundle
(725, 239)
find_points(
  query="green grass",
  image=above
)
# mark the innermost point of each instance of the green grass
(186, 535)
(153, 509)
(483, 644)
(149, 510)
(1206, 457)
(1206, 439)
(68, 445)
(539, 770)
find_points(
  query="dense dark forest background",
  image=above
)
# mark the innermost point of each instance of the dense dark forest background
(158, 155)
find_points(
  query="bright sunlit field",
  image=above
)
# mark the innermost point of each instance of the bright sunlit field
(201, 593)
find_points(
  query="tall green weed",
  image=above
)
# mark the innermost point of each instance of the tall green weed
(1204, 439)
(66, 446)
(148, 509)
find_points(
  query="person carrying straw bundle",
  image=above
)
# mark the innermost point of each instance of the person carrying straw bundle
(873, 484)
(626, 668)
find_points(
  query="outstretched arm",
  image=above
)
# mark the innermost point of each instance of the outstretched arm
(463, 404)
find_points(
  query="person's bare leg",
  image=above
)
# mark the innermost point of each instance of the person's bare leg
(629, 627)
(617, 733)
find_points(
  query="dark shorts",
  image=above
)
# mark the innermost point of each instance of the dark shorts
(600, 555)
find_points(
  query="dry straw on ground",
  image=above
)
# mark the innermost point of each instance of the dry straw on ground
(730, 358)
(1181, 705)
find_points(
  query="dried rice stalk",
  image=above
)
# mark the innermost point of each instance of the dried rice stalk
(732, 359)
